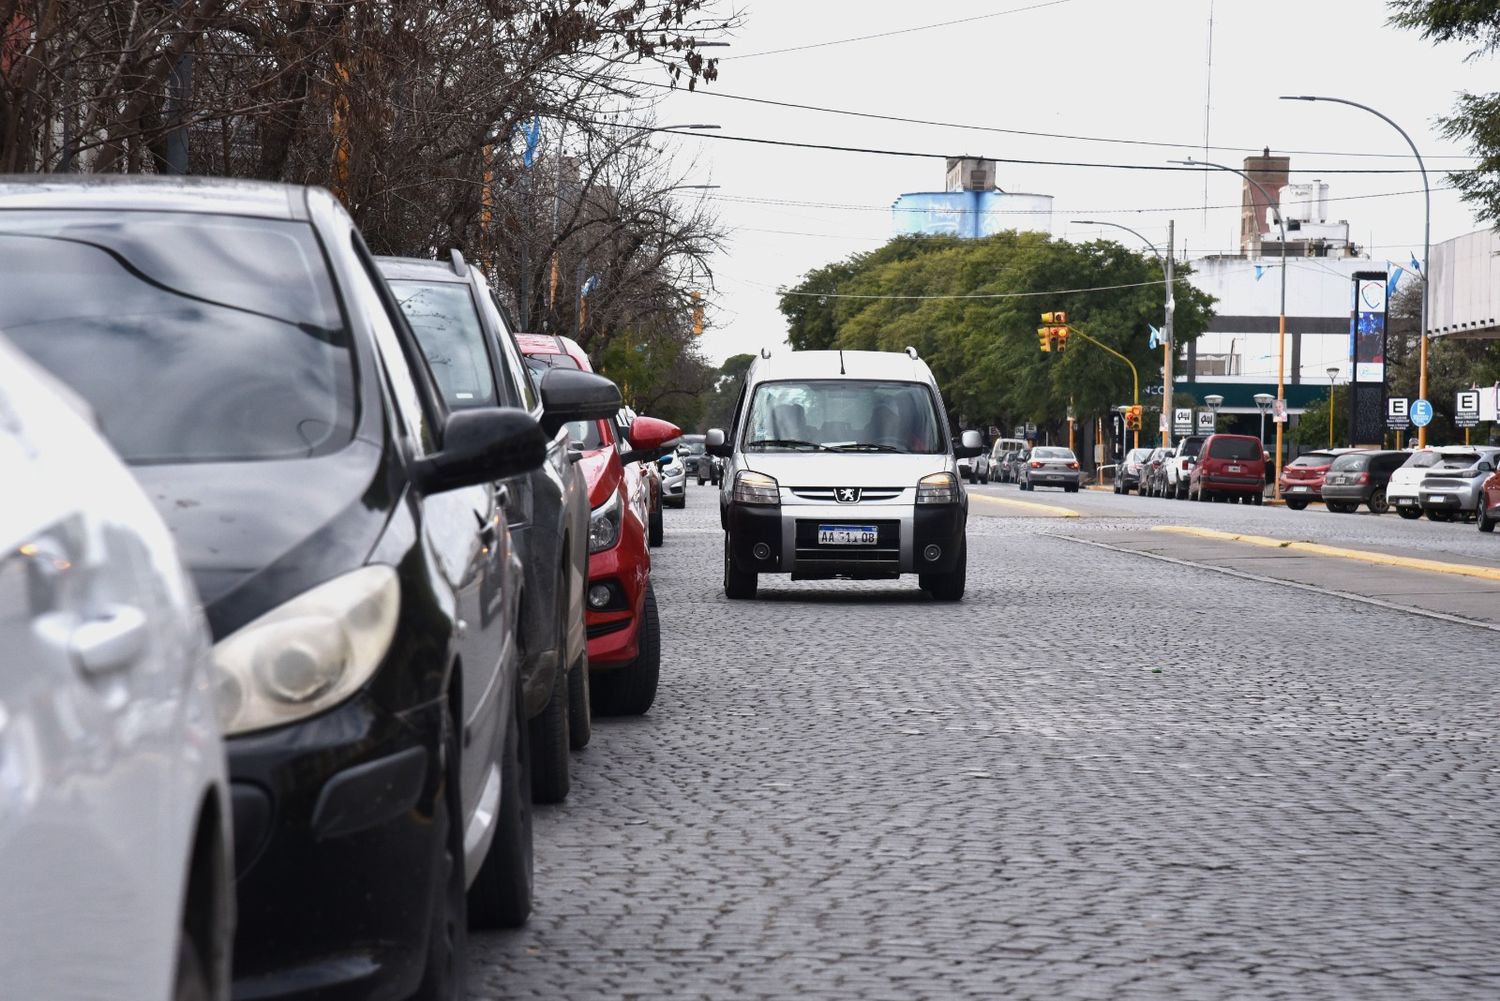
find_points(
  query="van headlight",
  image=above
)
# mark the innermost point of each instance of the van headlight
(755, 488)
(308, 654)
(939, 488)
(604, 524)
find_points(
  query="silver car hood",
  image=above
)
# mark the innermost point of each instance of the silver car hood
(848, 469)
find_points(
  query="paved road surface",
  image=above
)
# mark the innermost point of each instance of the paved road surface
(848, 791)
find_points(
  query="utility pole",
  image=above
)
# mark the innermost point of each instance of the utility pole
(1169, 347)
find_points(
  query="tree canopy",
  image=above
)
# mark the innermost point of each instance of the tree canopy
(1476, 117)
(972, 308)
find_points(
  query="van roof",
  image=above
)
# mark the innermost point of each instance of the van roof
(895, 365)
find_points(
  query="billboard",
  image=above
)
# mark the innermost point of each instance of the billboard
(969, 214)
(1368, 348)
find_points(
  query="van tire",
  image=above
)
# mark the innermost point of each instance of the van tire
(738, 584)
(949, 586)
(1409, 513)
(1296, 505)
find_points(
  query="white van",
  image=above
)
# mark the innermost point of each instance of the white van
(839, 464)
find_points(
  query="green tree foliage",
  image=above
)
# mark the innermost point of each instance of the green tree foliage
(1476, 117)
(660, 375)
(1452, 365)
(1311, 428)
(984, 351)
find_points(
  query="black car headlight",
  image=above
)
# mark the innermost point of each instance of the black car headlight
(308, 654)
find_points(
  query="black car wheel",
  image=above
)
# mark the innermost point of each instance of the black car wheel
(580, 712)
(738, 585)
(550, 744)
(631, 690)
(1377, 502)
(1409, 513)
(949, 586)
(654, 531)
(447, 934)
(501, 894)
(1484, 521)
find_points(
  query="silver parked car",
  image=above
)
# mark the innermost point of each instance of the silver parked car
(673, 480)
(1451, 489)
(115, 811)
(1050, 466)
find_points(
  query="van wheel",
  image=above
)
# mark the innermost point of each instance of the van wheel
(631, 690)
(1409, 513)
(447, 936)
(501, 894)
(1377, 502)
(1296, 505)
(948, 586)
(738, 585)
(654, 534)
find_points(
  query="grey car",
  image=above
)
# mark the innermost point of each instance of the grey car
(1051, 466)
(1128, 475)
(1451, 489)
(474, 359)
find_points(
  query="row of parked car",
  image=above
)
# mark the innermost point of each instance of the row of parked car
(295, 652)
(1446, 483)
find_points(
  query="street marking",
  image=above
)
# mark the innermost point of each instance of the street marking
(1048, 509)
(1359, 555)
(1363, 599)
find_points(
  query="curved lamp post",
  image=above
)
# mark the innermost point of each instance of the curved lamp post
(1263, 403)
(1281, 330)
(1168, 347)
(1426, 234)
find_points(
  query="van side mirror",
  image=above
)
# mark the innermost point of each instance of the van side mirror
(970, 444)
(571, 395)
(714, 443)
(482, 445)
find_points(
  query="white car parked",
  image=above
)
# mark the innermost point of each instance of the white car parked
(115, 856)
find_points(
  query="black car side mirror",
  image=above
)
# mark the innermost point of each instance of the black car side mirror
(714, 443)
(572, 395)
(480, 446)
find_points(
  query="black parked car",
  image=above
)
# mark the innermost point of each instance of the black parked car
(473, 357)
(1357, 478)
(341, 524)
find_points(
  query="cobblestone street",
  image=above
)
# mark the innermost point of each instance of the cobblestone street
(849, 791)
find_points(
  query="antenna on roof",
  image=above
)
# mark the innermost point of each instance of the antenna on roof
(765, 353)
(841, 362)
(459, 267)
(911, 352)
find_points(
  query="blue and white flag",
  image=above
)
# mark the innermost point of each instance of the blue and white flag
(1416, 265)
(533, 136)
(1395, 279)
(588, 286)
(1155, 336)
(1260, 272)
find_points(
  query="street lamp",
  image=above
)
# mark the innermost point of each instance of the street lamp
(1333, 380)
(1426, 236)
(1171, 306)
(1281, 327)
(1263, 403)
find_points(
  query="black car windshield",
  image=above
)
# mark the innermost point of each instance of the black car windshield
(446, 322)
(843, 415)
(195, 338)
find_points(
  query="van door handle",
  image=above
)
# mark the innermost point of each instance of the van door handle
(109, 642)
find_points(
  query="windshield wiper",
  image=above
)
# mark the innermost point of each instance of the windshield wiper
(864, 446)
(787, 443)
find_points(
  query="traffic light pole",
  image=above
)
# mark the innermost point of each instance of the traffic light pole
(1134, 375)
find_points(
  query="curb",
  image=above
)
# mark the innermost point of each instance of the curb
(1357, 555)
(1048, 509)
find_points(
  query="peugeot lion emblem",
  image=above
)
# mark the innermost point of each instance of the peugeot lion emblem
(847, 495)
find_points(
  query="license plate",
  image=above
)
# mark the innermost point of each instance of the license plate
(1299, 490)
(1236, 469)
(847, 535)
(1438, 498)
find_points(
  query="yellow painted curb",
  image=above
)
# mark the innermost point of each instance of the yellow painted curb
(1359, 555)
(1048, 509)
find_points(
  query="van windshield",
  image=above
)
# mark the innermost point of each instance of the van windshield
(850, 415)
(1234, 448)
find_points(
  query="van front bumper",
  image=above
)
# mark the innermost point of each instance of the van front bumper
(910, 539)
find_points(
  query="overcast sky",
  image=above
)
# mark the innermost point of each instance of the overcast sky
(1098, 68)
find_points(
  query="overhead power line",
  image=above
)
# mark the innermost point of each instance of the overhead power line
(1030, 133)
(897, 31)
(876, 151)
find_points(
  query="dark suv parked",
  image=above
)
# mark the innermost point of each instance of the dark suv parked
(473, 357)
(243, 354)
(1357, 478)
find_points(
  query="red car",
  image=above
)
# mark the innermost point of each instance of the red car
(1231, 467)
(1488, 511)
(624, 639)
(1302, 478)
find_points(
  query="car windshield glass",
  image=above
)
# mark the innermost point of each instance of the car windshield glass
(1234, 448)
(694, 447)
(1458, 460)
(852, 414)
(443, 317)
(1313, 459)
(1191, 447)
(1138, 455)
(1346, 463)
(195, 338)
(1423, 460)
(1051, 453)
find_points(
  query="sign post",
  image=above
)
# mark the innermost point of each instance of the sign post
(1421, 413)
(1182, 420)
(1397, 416)
(1466, 414)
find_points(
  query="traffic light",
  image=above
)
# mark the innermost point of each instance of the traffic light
(1133, 418)
(697, 314)
(1055, 334)
(1055, 319)
(1060, 335)
(1044, 334)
